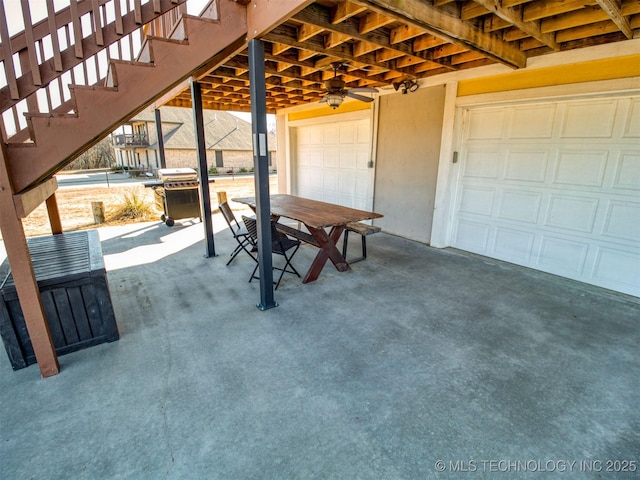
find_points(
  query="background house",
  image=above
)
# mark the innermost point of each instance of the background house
(228, 141)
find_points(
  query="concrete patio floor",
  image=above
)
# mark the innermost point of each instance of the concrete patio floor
(415, 357)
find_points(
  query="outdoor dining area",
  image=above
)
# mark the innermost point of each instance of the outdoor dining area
(413, 357)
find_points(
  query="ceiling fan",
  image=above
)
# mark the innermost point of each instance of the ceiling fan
(336, 91)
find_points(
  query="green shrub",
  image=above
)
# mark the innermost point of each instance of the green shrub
(213, 171)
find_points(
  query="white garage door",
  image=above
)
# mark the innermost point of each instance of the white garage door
(332, 163)
(555, 187)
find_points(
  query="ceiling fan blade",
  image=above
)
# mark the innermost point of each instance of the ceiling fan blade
(362, 98)
(364, 90)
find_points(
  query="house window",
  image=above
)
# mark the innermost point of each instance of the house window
(219, 162)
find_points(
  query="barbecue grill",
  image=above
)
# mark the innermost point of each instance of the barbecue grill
(176, 194)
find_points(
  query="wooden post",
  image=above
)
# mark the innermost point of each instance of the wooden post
(24, 277)
(54, 215)
(222, 197)
(98, 212)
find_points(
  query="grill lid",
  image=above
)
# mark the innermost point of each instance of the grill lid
(170, 175)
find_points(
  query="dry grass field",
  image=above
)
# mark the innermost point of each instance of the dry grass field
(76, 213)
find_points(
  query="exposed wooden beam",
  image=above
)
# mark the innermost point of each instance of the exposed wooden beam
(513, 15)
(588, 15)
(612, 8)
(264, 15)
(443, 24)
(306, 31)
(471, 10)
(320, 16)
(362, 48)
(28, 200)
(373, 21)
(333, 39)
(404, 32)
(538, 10)
(345, 10)
(278, 48)
(424, 42)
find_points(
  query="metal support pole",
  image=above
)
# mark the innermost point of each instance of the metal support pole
(203, 173)
(163, 161)
(258, 91)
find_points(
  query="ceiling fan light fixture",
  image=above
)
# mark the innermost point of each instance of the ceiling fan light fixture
(334, 100)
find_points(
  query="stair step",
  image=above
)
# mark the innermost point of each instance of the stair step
(111, 81)
(146, 52)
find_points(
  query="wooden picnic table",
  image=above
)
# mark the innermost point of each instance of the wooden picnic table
(317, 217)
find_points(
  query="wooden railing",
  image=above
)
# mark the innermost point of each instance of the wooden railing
(72, 45)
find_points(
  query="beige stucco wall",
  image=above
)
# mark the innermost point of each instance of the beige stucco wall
(408, 151)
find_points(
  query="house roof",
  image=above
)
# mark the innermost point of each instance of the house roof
(222, 130)
(380, 43)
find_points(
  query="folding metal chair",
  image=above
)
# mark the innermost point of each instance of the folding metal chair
(239, 232)
(280, 245)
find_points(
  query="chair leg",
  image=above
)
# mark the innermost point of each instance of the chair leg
(253, 274)
(287, 264)
(242, 246)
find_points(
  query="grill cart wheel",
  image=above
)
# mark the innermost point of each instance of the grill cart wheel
(163, 217)
(169, 222)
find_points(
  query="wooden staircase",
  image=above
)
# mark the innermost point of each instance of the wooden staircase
(194, 45)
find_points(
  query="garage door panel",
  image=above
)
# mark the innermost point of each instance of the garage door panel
(330, 181)
(330, 135)
(532, 121)
(513, 245)
(348, 159)
(612, 267)
(471, 236)
(567, 202)
(310, 136)
(572, 213)
(627, 174)
(581, 167)
(562, 256)
(477, 200)
(348, 135)
(632, 122)
(311, 157)
(526, 165)
(331, 157)
(623, 221)
(593, 119)
(520, 206)
(482, 163)
(486, 124)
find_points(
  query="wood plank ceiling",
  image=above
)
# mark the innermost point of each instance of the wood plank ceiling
(386, 42)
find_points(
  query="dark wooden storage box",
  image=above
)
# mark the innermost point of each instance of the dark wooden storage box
(75, 294)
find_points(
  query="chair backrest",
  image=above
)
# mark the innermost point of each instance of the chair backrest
(252, 226)
(228, 215)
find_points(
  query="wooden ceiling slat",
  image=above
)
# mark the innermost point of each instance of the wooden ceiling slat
(513, 16)
(344, 10)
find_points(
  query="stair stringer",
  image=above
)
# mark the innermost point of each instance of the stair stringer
(100, 110)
